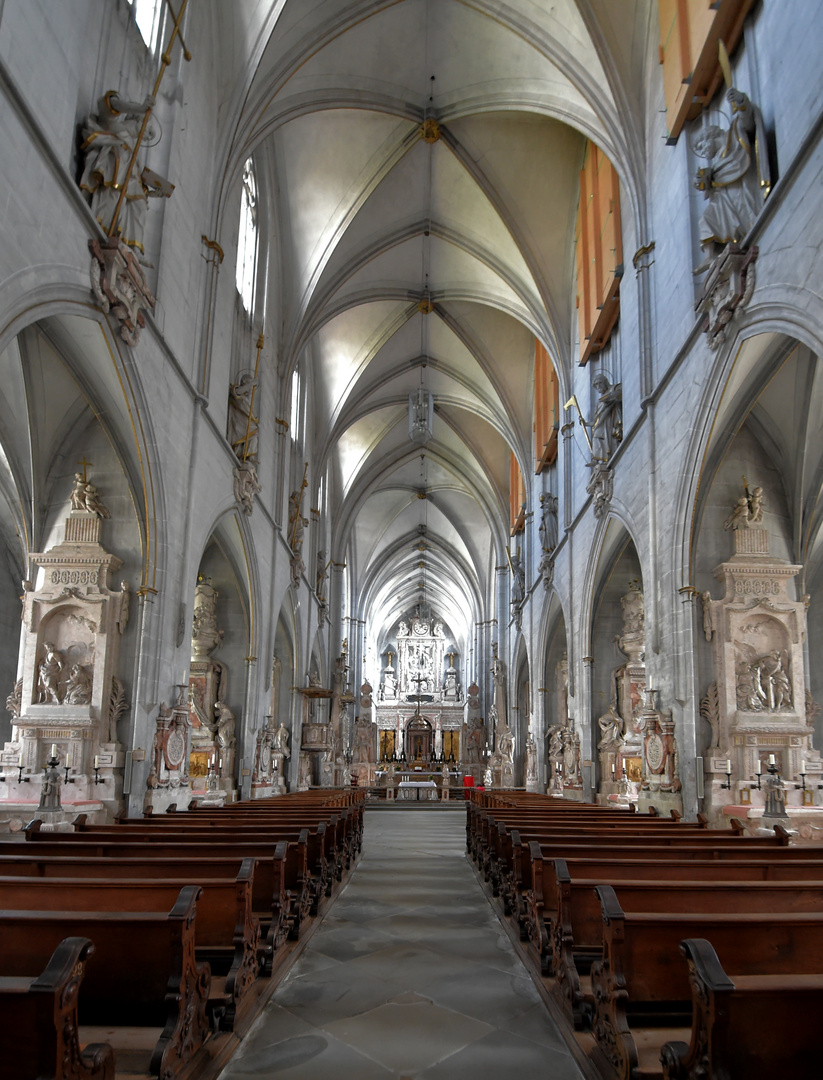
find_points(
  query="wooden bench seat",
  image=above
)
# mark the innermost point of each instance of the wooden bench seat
(496, 856)
(148, 957)
(529, 861)
(309, 874)
(576, 931)
(750, 1025)
(331, 849)
(344, 824)
(282, 892)
(228, 934)
(41, 1012)
(641, 978)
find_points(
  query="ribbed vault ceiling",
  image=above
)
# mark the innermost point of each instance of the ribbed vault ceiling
(373, 225)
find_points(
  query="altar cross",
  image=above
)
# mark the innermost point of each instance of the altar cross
(86, 465)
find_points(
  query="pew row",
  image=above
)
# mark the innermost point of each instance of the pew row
(228, 935)
(746, 1026)
(148, 956)
(641, 980)
(287, 891)
(576, 934)
(42, 1012)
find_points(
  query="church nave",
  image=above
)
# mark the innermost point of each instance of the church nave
(409, 976)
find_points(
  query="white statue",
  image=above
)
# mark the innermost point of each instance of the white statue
(48, 674)
(78, 688)
(125, 606)
(607, 425)
(531, 758)
(280, 742)
(708, 625)
(109, 141)
(736, 180)
(475, 743)
(505, 743)
(225, 725)
(92, 502)
(363, 746)
(611, 724)
(747, 512)
(78, 493)
(548, 523)
(242, 422)
(204, 632)
(296, 521)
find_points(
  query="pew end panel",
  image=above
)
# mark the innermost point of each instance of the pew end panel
(745, 1026)
(42, 1012)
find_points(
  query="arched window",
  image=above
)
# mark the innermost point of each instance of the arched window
(247, 239)
(148, 19)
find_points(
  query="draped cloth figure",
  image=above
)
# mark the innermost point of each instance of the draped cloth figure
(737, 179)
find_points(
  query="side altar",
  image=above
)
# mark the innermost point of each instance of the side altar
(761, 751)
(68, 698)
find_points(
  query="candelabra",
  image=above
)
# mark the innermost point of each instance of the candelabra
(728, 782)
(20, 778)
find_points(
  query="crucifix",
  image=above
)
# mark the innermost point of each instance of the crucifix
(86, 465)
(165, 60)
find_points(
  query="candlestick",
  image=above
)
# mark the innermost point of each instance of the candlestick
(97, 761)
(758, 765)
(771, 759)
(728, 767)
(54, 749)
(803, 767)
(68, 759)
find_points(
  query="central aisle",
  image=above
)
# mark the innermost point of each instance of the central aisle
(409, 977)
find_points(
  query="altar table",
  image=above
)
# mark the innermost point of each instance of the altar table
(420, 790)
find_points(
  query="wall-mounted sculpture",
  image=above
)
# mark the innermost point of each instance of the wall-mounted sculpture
(756, 704)
(69, 690)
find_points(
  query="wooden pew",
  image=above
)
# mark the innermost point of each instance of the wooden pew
(291, 888)
(41, 1012)
(532, 880)
(324, 857)
(750, 1026)
(147, 956)
(576, 933)
(348, 817)
(496, 857)
(641, 979)
(331, 848)
(228, 935)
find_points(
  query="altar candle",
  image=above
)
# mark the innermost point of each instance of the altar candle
(771, 759)
(728, 767)
(97, 761)
(54, 749)
(803, 767)
(758, 765)
(68, 759)
(612, 768)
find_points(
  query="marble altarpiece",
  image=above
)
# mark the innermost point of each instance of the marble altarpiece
(757, 706)
(420, 708)
(69, 698)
